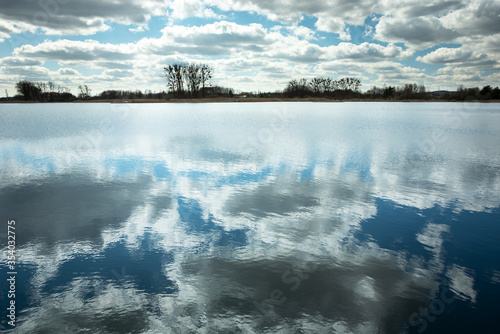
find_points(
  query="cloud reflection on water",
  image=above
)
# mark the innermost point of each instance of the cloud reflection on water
(166, 228)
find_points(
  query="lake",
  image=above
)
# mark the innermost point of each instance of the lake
(251, 217)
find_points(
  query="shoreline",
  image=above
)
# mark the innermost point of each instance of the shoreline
(252, 100)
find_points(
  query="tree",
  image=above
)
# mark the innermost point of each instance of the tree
(495, 93)
(193, 75)
(175, 78)
(317, 85)
(84, 92)
(206, 74)
(179, 70)
(485, 93)
(351, 84)
(327, 86)
(29, 90)
(298, 88)
(193, 78)
(342, 84)
(389, 92)
(170, 76)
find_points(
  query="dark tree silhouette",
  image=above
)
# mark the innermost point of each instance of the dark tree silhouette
(84, 92)
(29, 90)
(195, 76)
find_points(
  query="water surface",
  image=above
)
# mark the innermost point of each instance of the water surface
(252, 218)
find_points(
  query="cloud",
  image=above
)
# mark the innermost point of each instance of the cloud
(19, 61)
(451, 55)
(61, 17)
(422, 25)
(6, 28)
(119, 73)
(34, 73)
(114, 65)
(415, 8)
(478, 18)
(302, 32)
(334, 25)
(182, 9)
(369, 52)
(219, 38)
(67, 71)
(138, 29)
(66, 50)
(231, 39)
(418, 32)
(333, 15)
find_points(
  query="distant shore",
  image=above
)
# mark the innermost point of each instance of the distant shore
(248, 99)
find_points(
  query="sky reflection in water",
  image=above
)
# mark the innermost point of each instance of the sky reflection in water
(267, 218)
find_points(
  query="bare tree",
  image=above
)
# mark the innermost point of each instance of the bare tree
(170, 76)
(84, 92)
(175, 78)
(193, 78)
(193, 75)
(205, 74)
(317, 85)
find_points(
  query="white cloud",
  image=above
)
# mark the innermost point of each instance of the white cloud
(60, 17)
(417, 32)
(67, 71)
(369, 52)
(182, 9)
(463, 65)
(450, 55)
(6, 28)
(33, 73)
(19, 61)
(138, 29)
(118, 73)
(422, 25)
(67, 51)
(302, 32)
(334, 25)
(478, 18)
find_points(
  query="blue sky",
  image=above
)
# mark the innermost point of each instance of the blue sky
(252, 45)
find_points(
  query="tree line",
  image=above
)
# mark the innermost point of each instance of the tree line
(130, 95)
(49, 92)
(406, 92)
(465, 94)
(418, 92)
(192, 80)
(323, 87)
(43, 91)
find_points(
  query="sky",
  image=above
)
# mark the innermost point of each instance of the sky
(253, 45)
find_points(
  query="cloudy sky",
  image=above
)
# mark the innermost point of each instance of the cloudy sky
(252, 44)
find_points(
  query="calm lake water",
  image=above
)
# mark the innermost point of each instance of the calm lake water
(252, 218)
